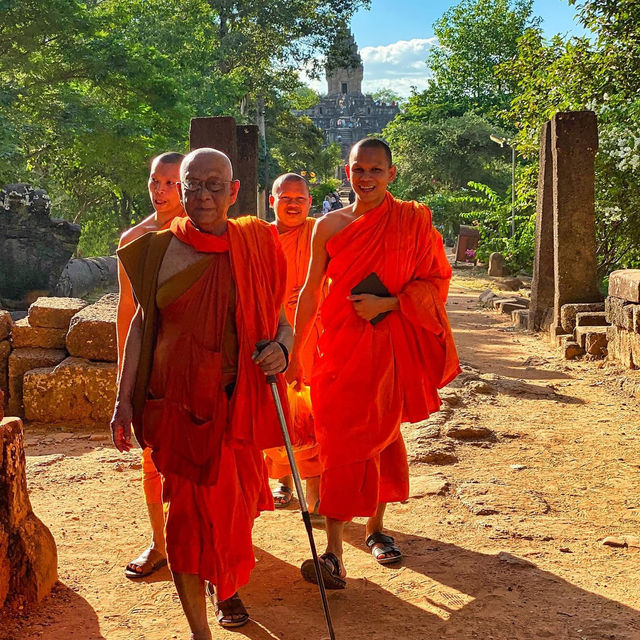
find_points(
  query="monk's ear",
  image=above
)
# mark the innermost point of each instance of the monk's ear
(392, 173)
(234, 187)
(271, 200)
(347, 170)
(180, 192)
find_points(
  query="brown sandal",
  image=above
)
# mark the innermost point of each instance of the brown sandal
(230, 613)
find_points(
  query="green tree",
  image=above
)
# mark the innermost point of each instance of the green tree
(475, 37)
(598, 73)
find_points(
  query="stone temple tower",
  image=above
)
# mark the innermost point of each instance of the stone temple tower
(345, 114)
(344, 67)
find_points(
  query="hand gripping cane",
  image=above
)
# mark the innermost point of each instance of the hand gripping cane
(271, 381)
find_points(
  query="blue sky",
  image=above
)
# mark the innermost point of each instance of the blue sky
(395, 36)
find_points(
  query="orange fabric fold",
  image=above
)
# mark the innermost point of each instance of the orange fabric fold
(369, 378)
(296, 245)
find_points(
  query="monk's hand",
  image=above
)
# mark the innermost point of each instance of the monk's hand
(295, 373)
(368, 306)
(269, 356)
(121, 425)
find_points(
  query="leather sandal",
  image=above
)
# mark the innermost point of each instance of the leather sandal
(388, 547)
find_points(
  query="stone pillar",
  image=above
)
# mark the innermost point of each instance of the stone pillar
(28, 556)
(542, 285)
(219, 133)
(574, 139)
(240, 143)
(246, 169)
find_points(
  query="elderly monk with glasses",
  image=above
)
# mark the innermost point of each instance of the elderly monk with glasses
(209, 326)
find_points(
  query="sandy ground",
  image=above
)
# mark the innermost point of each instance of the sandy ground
(502, 535)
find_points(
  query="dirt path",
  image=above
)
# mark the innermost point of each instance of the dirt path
(504, 541)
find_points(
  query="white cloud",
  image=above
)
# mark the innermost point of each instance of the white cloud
(399, 66)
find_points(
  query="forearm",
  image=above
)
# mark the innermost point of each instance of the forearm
(131, 359)
(306, 312)
(284, 334)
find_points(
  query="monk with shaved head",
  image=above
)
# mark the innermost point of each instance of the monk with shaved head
(385, 349)
(291, 203)
(164, 175)
(209, 325)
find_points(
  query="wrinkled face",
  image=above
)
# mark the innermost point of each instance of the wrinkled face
(369, 173)
(162, 188)
(207, 190)
(291, 203)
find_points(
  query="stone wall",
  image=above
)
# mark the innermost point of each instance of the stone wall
(622, 309)
(60, 365)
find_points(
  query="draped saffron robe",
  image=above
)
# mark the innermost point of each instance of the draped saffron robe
(369, 378)
(151, 478)
(296, 245)
(200, 402)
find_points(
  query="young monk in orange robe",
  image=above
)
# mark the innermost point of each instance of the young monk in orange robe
(163, 177)
(209, 290)
(371, 376)
(291, 203)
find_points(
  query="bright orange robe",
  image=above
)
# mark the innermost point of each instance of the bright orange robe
(151, 479)
(369, 378)
(199, 332)
(296, 245)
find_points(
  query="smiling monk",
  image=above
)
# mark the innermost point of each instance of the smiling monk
(291, 203)
(385, 349)
(209, 291)
(163, 192)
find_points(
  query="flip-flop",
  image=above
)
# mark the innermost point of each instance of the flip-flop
(388, 546)
(330, 569)
(140, 561)
(230, 613)
(282, 496)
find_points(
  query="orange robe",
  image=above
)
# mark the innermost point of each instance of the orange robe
(151, 479)
(201, 403)
(369, 378)
(296, 245)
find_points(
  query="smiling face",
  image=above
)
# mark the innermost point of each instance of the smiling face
(207, 205)
(163, 192)
(291, 203)
(370, 173)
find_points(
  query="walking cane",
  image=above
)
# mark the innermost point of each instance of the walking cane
(271, 381)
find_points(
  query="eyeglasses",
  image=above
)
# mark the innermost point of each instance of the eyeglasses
(212, 186)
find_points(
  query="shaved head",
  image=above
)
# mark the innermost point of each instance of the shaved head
(170, 157)
(372, 143)
(210, 157)
(286, 177)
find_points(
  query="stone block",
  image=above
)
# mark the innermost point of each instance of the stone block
(568, 313)
(55, 313)
(592, 339)
(76, 391)
(5, 350)
(24, 335)
(23, 360)
(572, 350)
(596, 342)
(30, 569)
(521, 318)
(509, 307)
(92, 332)
(486, 297)
(497, 301)
(6, 323)
(621, 313)
(591, 319)
(625, 284)
(497, 267)
(620, 347)
(509, 284)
